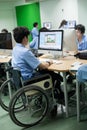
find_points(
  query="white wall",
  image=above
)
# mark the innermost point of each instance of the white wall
(56, 10)
(50, 10)
(7, 16)
(82, 10)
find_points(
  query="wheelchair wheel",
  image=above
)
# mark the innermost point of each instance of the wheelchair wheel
(35, 102)
(5, 96)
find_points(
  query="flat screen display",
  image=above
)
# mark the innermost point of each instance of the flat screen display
(51, 40)
(6, 41)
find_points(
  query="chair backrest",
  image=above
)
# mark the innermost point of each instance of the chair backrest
(17, 78)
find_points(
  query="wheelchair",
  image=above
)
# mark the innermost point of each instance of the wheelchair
(29, 100)
(7, 87)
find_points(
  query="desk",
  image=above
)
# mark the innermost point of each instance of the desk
(5, 60)
(65, 67)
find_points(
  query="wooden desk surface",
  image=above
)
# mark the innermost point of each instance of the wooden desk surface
(5, 60)
(66, 64)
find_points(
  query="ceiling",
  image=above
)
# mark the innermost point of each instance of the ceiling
(18, 0)
(8, 0)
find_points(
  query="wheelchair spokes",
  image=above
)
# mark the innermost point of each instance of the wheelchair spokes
(35, 106)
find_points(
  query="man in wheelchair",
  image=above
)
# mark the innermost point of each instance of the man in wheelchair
(25, 60)
(28, 64)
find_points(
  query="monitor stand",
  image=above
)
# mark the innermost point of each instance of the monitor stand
(51, 54)
(56, 54)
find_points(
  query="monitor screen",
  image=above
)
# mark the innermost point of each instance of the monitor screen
(5, 41)
(51, 40)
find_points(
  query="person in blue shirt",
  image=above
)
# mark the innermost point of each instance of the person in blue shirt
(35, 31)
(34, 43)
(81, 38)
(25, 60)
(22, 57)
(82, 73)
(82, 47)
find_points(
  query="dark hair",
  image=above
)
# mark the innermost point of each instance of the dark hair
(35, 24)
(43, 29)
(4, 31)
(80, 27)
(63, 22)
(19, 33)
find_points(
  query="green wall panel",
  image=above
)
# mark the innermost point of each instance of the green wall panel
(28, 14)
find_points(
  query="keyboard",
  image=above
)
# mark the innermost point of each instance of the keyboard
(54, 61)
(75, 66)
(76, 63)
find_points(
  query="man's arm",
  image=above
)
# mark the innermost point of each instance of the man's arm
(82, 51)
(44, 65)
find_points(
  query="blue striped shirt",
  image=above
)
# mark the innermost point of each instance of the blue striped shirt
(25, 60)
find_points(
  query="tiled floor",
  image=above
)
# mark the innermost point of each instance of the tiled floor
(59, 123)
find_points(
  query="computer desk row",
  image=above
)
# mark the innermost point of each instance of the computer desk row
(64, 67)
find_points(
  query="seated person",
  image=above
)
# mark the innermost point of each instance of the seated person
(82, 47)
(62, 24)
(25, 60)
(2, 72)
(82, 73)
(81, 38)
(4, 31)
(81, 44)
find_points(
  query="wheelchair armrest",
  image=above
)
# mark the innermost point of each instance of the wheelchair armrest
(9, 69)
(37, 79)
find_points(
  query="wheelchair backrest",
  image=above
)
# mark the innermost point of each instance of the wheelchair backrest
(17, 78)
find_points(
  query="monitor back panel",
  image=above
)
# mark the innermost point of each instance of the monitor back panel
(69, 42)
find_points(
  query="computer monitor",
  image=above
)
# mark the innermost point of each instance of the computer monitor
(70, 24)
(6, 45)
(50, 41)
(6, 41)
(47, 25)
(69, 42)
